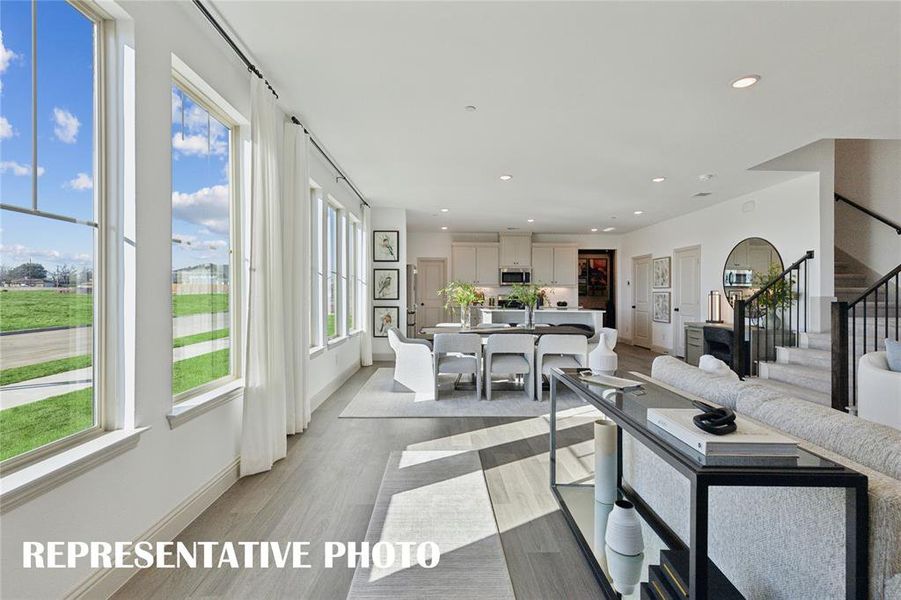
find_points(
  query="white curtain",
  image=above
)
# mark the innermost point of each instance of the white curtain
(263, 438)
(366, 341)
(295, 236)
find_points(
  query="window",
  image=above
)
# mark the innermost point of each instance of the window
(203, 292)
(331, 250)
(317, 268)
(50, 228)
(351, 280)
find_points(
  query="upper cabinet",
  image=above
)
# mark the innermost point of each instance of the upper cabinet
(476, 263)
(516, 250)
(555, 265)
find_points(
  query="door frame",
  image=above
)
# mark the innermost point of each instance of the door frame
(679, 349)
(418, 288)
(632, 302)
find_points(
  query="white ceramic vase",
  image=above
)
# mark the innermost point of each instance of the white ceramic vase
(601, 514)
(624, 529)
(625, 571)
(605, 434)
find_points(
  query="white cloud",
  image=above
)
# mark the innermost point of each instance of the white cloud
(207, 207)
(67, 125)
(12, 254)
(82, 181)
(198, 144)
(11, 166)
(6, 130)
(6, 57)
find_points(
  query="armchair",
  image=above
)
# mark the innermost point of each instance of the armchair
(413, 364)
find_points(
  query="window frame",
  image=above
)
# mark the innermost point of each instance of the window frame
(103, 396)
(235, 259)
(317, 285)
(330, 203)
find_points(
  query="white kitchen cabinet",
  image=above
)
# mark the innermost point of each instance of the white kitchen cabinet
(555, 266)
(515, 250)
(476, 263)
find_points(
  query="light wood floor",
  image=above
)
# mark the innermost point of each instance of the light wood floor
(325, 488)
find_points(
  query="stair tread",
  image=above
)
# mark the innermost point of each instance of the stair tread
(816, 378)
(795, 391)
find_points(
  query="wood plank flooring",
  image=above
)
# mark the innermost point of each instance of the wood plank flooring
(325, 488)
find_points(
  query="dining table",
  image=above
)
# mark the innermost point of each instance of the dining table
(539, 330)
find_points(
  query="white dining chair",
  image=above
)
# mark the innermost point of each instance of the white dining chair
(601, 357)
(412, 364)
(558, 351)
(510, 354)
(459, 353)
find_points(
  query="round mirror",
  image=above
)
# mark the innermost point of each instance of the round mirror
(749, 263)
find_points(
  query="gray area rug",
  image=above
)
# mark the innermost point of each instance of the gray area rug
(438, 496)
(381, 397)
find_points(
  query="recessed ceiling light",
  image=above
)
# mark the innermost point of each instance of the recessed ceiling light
(659, 179)
(593, 229)
(506, 177)
(638, 212)
(469, 108)
(745, 81)
(606, 229)
(444, 227)
(530, 220)
(445, 209)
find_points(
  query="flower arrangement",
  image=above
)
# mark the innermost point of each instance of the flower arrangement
(528, 294)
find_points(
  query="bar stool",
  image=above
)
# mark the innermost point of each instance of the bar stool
(558, 351)
(510, 354)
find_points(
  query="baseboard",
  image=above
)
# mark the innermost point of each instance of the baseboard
(660, 349)
(103, 583)
(387, 357)
(332, 387)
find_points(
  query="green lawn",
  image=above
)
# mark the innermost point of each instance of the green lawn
(206, 336)
(35, 309)
(42, 369)
(195, 304)
(191, 372)
(25, 427)
(330, 331)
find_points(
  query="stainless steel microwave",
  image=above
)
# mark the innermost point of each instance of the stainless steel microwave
(515, 275)
(738, 278)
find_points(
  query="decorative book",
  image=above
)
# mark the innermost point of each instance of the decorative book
(749, 439)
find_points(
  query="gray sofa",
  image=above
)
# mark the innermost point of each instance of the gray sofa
(783, 543)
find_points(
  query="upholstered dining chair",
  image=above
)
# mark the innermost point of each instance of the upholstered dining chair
(560, 351)
(459, 353)
(510, 354)
(601, 357)
(413, 364)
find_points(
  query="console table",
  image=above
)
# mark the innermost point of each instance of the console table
(628, 409)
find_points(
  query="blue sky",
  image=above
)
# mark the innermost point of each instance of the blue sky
(65, 147)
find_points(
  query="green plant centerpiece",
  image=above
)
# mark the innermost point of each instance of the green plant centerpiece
(777, 298)
(528, 294)
(463, 295)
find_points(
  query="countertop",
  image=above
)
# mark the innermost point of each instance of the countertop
(550, 310)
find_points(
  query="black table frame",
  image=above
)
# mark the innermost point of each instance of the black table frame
(702, 479)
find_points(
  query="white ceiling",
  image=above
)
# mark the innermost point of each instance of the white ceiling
(583, 103)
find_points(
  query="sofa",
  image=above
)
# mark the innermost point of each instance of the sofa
(782, 543)
(878, 390)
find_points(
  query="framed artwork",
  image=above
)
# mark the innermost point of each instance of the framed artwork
(386, 284)
(385, 246)
(661, 310)
(661, 273)
(384, 317)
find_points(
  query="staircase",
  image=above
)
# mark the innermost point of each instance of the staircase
(805, 371)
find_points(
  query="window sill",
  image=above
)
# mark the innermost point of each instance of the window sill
(336, 341)
(355, 333)
(316, 351)
(30, 482)
(183, 412)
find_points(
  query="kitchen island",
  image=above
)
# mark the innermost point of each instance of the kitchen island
(551, 316)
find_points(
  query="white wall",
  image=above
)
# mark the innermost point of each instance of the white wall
(785, 214)
(869, 173)
(121, 499)
(390, 219)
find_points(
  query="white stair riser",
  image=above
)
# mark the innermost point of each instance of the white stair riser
(820, 382)
(821, 359)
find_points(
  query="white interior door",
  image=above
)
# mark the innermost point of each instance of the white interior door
(641, 301)
(686, 294)
(431, 276)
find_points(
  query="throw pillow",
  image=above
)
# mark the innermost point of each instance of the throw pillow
(714, 366)
(893, 355)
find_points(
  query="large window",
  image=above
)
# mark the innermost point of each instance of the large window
(203, 291)
(317, 268)
(50, 225)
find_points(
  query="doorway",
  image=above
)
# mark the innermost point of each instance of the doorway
(431, 276)
(686, 294)
(641, 301)
(597, 283)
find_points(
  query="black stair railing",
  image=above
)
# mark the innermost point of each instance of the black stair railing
(770, 317)
(868, 212)
(857, 328)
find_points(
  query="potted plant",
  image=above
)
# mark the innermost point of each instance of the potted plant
(777, 297)
(464, 295)
(529, 295)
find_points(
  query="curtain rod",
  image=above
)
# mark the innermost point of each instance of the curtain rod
(253, 69)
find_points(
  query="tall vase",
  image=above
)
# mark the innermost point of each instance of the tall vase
(530, 316)
(465, 317)
(605, 434)
(623, 533)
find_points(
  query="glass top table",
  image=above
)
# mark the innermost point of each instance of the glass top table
(628, 409)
